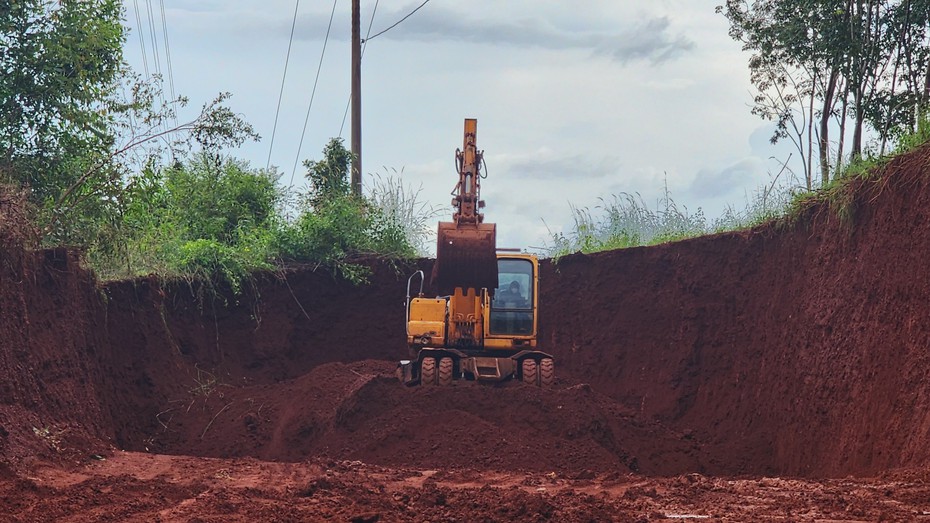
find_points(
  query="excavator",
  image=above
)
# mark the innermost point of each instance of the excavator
(482, 326)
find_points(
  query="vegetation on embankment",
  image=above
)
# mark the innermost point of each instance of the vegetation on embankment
(625, 220)
(95, 158)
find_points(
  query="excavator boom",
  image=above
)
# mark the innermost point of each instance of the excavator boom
(466, 246)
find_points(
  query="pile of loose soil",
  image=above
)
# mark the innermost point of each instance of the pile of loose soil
(360, 411)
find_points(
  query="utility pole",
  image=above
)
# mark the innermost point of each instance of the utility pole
(356, 101)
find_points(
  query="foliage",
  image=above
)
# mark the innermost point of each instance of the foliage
(401, 204)
(218, 220)
(327, 177)
(626, 221)
(59, 71)
(820, 64)
(105, 164)
(67, 130)
(337, 228)
(210, 219)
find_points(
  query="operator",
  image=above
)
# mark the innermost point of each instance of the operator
(511, 297)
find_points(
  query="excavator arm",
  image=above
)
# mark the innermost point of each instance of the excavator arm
(466, 247)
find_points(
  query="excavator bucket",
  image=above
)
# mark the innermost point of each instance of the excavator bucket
(466, 256)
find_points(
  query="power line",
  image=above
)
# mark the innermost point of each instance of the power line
(277, 111)
(154, 35)
(364, 45)
(399, 21)
(313, 92)
(164, 27)
(145, 61)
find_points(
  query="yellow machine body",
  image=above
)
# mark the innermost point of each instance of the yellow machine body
(485, 336)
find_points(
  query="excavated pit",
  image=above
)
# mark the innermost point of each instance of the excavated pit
(797, 349)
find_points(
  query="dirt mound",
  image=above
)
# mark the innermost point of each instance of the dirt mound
(361, 412)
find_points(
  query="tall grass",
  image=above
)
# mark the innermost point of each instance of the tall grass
(625, 220)
(402, 204)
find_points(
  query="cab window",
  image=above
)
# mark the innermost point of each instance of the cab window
(512, 305)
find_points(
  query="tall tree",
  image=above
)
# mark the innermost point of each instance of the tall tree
(832, 61)
(66, 127)
(60, 64)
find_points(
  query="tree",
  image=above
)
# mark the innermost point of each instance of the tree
(66, 130)
(834, 61)
(60, 64)
(329, 177)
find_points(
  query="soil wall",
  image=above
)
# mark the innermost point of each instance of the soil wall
(797, 349)
(794, 350)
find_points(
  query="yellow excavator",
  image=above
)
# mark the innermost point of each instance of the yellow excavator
(483, 324)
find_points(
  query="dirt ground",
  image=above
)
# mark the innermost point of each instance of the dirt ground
(776, 373)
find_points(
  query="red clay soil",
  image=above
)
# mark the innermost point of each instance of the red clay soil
(693, 378)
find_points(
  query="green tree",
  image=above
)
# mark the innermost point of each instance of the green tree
(220, 200)
(208, 218)
(336, 228)
(329, 177)
(60, 65)
(815, 62)
(65, 126)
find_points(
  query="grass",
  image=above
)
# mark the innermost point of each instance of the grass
(624, 220)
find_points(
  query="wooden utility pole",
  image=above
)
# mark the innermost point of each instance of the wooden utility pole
(356, 101)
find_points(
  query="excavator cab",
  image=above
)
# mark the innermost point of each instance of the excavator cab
(512, 310)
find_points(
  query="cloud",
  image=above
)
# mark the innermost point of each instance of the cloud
(717, 183)
(542, 166)
(650, 40)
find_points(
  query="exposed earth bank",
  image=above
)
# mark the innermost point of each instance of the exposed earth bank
(794, 350)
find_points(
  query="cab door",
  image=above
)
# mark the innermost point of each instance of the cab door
(513, 306)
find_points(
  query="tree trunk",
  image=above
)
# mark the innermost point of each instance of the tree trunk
(810, 134)
(842, 141)
(828, 99)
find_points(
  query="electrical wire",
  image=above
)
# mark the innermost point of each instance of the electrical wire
(371, 22)
(164, 27)
(145, 60)
(287, 60)
(154, 36)
(399, 21)
(313, 92)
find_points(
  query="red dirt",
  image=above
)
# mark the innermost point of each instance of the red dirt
(705, 377)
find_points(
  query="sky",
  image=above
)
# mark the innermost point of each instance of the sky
(575, 101)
